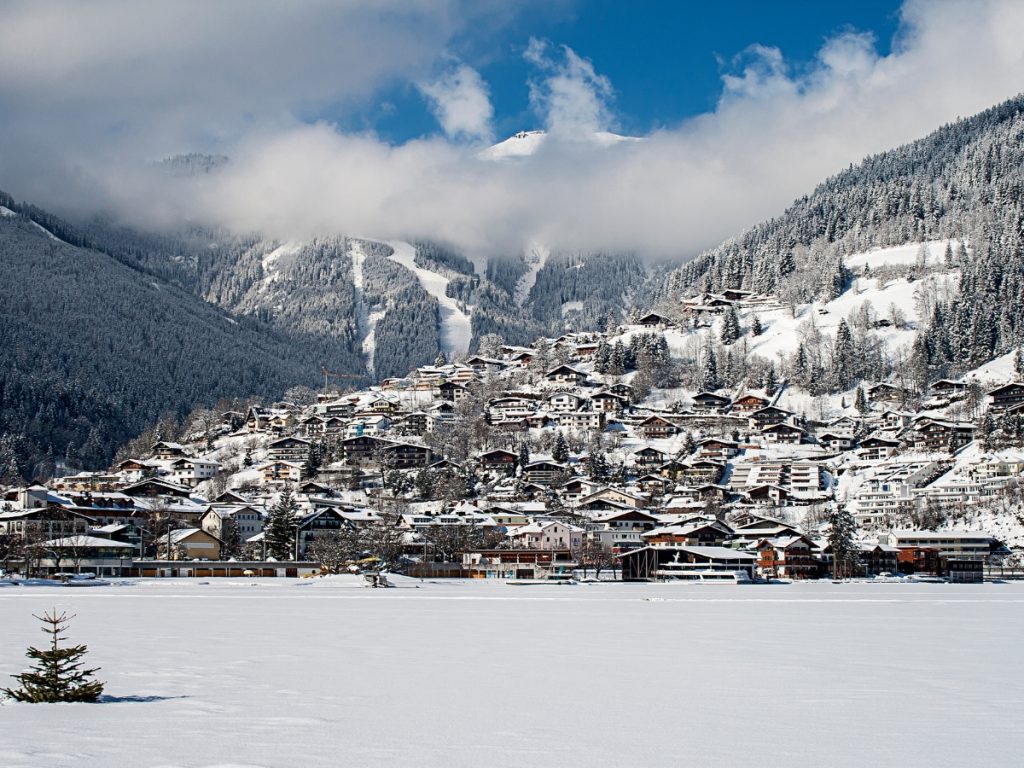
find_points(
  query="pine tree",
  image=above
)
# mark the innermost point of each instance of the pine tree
(560, 452)
(58, 674)
(1018, 364)
(842, 357)
(771, 382)
(279, 532)
(842, 528)
(524, 453)
(709, 372)
(730, 327)
(602, 356)
(756, 329)
(860, 401)
(598, 467)
(311, 467)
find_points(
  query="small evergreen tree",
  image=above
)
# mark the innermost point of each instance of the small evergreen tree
(58, 674)
(771, 381)
(279, 532)
(524, 453)
(730, 327)
(709, 373)
(560, 452)
(860, 401)
(756, 329)
(842, 528)
(1018, 364)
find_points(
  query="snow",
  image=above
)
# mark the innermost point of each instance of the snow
(5, 211)
(271, 258)
(536, 257)
(527, 143)
(456, 330)
(365, 321)
(899, 254)
(282, 672)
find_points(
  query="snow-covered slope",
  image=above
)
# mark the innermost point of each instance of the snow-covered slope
(526, 143)
(456, 329)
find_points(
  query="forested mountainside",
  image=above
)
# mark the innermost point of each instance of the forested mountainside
(962, 182)
(94, 350)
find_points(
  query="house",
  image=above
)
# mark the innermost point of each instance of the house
(164, 451)
(191, 472)
(717, 448)
(608, 402)
(770, 414)
(580, 420)
(405, 455)
(654, 320)
(836, 442)
(930, 434)
(701, 532)
(947, 388)
(965, 545)
(452, 392)
(564, 402)
(749, 403)
(498, 459)
(771, 495)
(783, 434)
(1007, 396)
(361, 449)
(616, 495)
(485, 364)
(564, 374)
(249, 520)
(546, 535)
(89, 554)
(543, 472)
(619, 530)
(648, 457)
(654, 427)
(791, 557)
(709, 402)
(326, 520)
(281, 472)
(878, 558)
(884, 392)
(188, 544)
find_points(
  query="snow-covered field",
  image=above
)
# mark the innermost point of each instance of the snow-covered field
(287, 673)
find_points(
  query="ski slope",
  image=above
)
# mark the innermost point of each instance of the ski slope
(456, 329)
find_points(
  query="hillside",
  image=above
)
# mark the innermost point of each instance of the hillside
(96, 350)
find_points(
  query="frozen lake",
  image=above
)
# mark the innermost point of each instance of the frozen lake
(279, 673)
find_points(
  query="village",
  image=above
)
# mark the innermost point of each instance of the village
(528, 464)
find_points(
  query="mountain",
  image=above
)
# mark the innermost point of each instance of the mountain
(964, 182)
(96, 349)
(526, 143)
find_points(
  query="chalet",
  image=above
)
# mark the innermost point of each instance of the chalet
(608, 402)
(543, 472)
(620, 530)
(452, 392)
(322, 522)
(895, 420)
(189, 544)
(152, 487)
(498, 459)
(844, 425)
(257, 419)
(783, 434)
(654, 320)
(653, 485)
(791, 557)
(770, 414)
(134, 470)
(311, 425)
(930, 434)
(414, 423)
(485, 364)
(648, 457)
(616, 495)
(248, 518)
(625, 391)
(281, 472)
(342, 408)
(701, 472)
(289, 449)
(654, 427)
(580, 420)
(43, 522)
(709, 402)
(191, 472)
(947, 387)
(368, 424)
(564, 402)
(884, 392)
(164, 451)
(564, 374)
(876, 559)
(836, 442)
(717, 448)
(700, 533)
(734, 294)
(546, 535)
(361, 449)
(405, 455)
(586, 349)
(1007, 396)
(749, 403)
(81, 552)
(770, 495)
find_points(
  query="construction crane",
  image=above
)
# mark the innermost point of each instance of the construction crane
(334, 375)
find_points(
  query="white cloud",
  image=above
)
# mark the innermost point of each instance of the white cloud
(776, 132)
(460, 101)
(571, 97)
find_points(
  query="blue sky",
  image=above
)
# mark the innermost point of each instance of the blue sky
(665, 60)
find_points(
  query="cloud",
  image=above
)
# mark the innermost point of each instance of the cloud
(459, 99)
(777, 130)
(571, 97)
